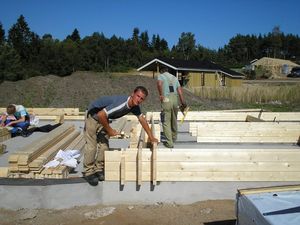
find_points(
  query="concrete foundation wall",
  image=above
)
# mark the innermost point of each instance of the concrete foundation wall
(59, 196)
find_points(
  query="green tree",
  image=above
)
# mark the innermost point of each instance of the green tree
(75, 36)
(19, 37)
(93, 50)
(276, 42)
(10, 64)
(71, 56)
(186, 44)
(2, 35)
(144, 40)
(50, 56)
(135, 36)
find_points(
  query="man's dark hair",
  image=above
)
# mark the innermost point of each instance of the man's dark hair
(11, 109)
(163, 69)
(142, 89)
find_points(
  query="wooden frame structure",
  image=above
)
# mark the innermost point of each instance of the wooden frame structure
(145, 162)
(242, 163)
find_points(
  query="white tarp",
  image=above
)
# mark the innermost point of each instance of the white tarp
(67, 158)
(271, 208)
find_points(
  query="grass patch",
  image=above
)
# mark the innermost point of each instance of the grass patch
(269, 97)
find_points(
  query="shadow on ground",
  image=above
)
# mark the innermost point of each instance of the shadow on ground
(224, 222)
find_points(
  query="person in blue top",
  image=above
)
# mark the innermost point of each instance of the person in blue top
(97, 120)
(169, 90)
(16, 117)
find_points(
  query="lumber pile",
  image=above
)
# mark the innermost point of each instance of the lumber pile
(2, 148)
(236, 116)
(4, 134)
(62, 171)
(246, 132)
(50, 111)
(29, 161)
(139, 163)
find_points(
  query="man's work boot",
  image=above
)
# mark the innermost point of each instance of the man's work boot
(92, 179)
(100, 175)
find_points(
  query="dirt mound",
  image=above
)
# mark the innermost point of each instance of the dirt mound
(78, 89)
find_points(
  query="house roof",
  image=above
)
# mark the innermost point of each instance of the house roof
(189, 65)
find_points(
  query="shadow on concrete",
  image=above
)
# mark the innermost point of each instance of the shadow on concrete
(223, 222)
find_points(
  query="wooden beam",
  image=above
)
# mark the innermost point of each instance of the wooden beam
(139, 157)
(236, 116)
(34, 150)
(154, 155)
(122, 171)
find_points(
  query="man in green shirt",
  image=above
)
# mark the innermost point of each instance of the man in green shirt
(169, 90)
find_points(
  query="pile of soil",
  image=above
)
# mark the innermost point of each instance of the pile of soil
(80, 88)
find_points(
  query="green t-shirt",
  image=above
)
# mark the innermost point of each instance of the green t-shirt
(168, 80)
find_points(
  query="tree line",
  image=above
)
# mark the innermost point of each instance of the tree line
(25, 54)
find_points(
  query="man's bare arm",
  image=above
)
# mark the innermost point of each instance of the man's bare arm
(102, 118)
(146, 127)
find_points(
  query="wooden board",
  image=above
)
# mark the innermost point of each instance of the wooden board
(206, 165)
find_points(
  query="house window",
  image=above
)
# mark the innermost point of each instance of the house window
(223, 82)
(202, 79)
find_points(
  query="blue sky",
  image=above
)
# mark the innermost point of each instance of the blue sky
(213, 22)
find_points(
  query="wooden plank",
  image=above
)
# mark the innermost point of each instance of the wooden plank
(53, 111)
(62, 170)
(235, 116)
(2, 148)
(4, 171)
(240, 139)
(209, 166)
(154, 155)
(50, 111)
(140, 156)
(210, 176)
(122, 171)
(48, 155)
(279, 155)
(32, 151)
(194, 127)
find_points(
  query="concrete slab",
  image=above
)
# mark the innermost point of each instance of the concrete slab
(66, 195)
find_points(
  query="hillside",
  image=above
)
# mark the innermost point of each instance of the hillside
(78, 89)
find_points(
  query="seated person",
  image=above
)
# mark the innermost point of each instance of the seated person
(16, 117)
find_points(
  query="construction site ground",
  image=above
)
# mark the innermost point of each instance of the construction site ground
(219, 212)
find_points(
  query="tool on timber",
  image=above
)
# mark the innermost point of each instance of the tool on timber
(184, 109)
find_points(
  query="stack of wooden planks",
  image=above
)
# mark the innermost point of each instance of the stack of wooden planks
(281, 164)
(236, 116)
(241, 163)
(4, 134)
(50, 111)
(29, 161)
(62, 171)
(246, 132)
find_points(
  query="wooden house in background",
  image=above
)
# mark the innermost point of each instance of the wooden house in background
(194, 74)
(278, 68)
